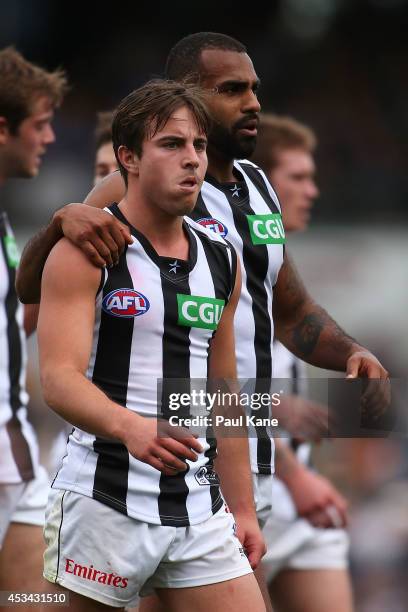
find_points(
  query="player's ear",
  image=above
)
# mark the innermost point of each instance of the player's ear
(129, 160)
(4, 130)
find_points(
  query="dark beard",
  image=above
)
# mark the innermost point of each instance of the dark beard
(231, 145)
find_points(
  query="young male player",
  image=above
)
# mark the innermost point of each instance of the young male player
(306, 562)
(28, 97)
(130, 510)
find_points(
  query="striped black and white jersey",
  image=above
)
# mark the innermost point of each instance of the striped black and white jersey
(247, 213)
(287, 365)
(18, 448)
(155, 318)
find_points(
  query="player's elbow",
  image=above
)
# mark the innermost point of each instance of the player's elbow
(49, 382)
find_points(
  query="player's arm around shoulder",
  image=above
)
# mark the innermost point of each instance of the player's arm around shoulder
(97, 233)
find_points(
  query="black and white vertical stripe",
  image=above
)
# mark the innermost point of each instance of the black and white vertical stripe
(111, 374)
(174, 491)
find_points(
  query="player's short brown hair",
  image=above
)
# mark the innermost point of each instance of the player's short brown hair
(103, 130)
(145, 111)
(21, 83)
(277, 134)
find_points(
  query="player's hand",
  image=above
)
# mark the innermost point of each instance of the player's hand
(250, 536)
(161, 445)
(377, 394)
(302, 418)
(317, 500)
(97, 233)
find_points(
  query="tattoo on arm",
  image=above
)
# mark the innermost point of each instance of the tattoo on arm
(316, 323)
(306, 333)
(304, 326)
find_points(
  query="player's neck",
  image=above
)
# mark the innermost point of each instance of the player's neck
(8, 167)
(220, 167)
(3, 171)
(164, 232)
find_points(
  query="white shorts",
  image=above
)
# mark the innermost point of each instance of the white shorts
(299, 545)
(9, 496)
(112, 558)
(31, 505)
(262, 486)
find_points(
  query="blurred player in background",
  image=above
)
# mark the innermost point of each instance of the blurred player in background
(105, 160)
(306, 562)
(28, 97)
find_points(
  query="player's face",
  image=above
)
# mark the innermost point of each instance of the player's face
(173, 164)
(294, 181)
(105, 162)
(233, 104)
(25, 149)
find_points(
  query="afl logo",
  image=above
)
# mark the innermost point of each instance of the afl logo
(214, 225)
(125, 303)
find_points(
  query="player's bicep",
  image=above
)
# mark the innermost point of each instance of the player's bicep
(67, 311)
(110, 189)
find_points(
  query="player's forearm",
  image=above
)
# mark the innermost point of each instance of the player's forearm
(287, 466)
(28, 279)
(233, 468)
(71, 395)
(110, 189)
(304, 327)
(315, 337)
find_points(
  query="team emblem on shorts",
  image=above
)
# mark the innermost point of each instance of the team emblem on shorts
(127, 303)
(214, 225)
(206, 476)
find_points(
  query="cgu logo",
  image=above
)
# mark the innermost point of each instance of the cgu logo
(266, 229)
(214, 225)
(126, 303)
(197, 311)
